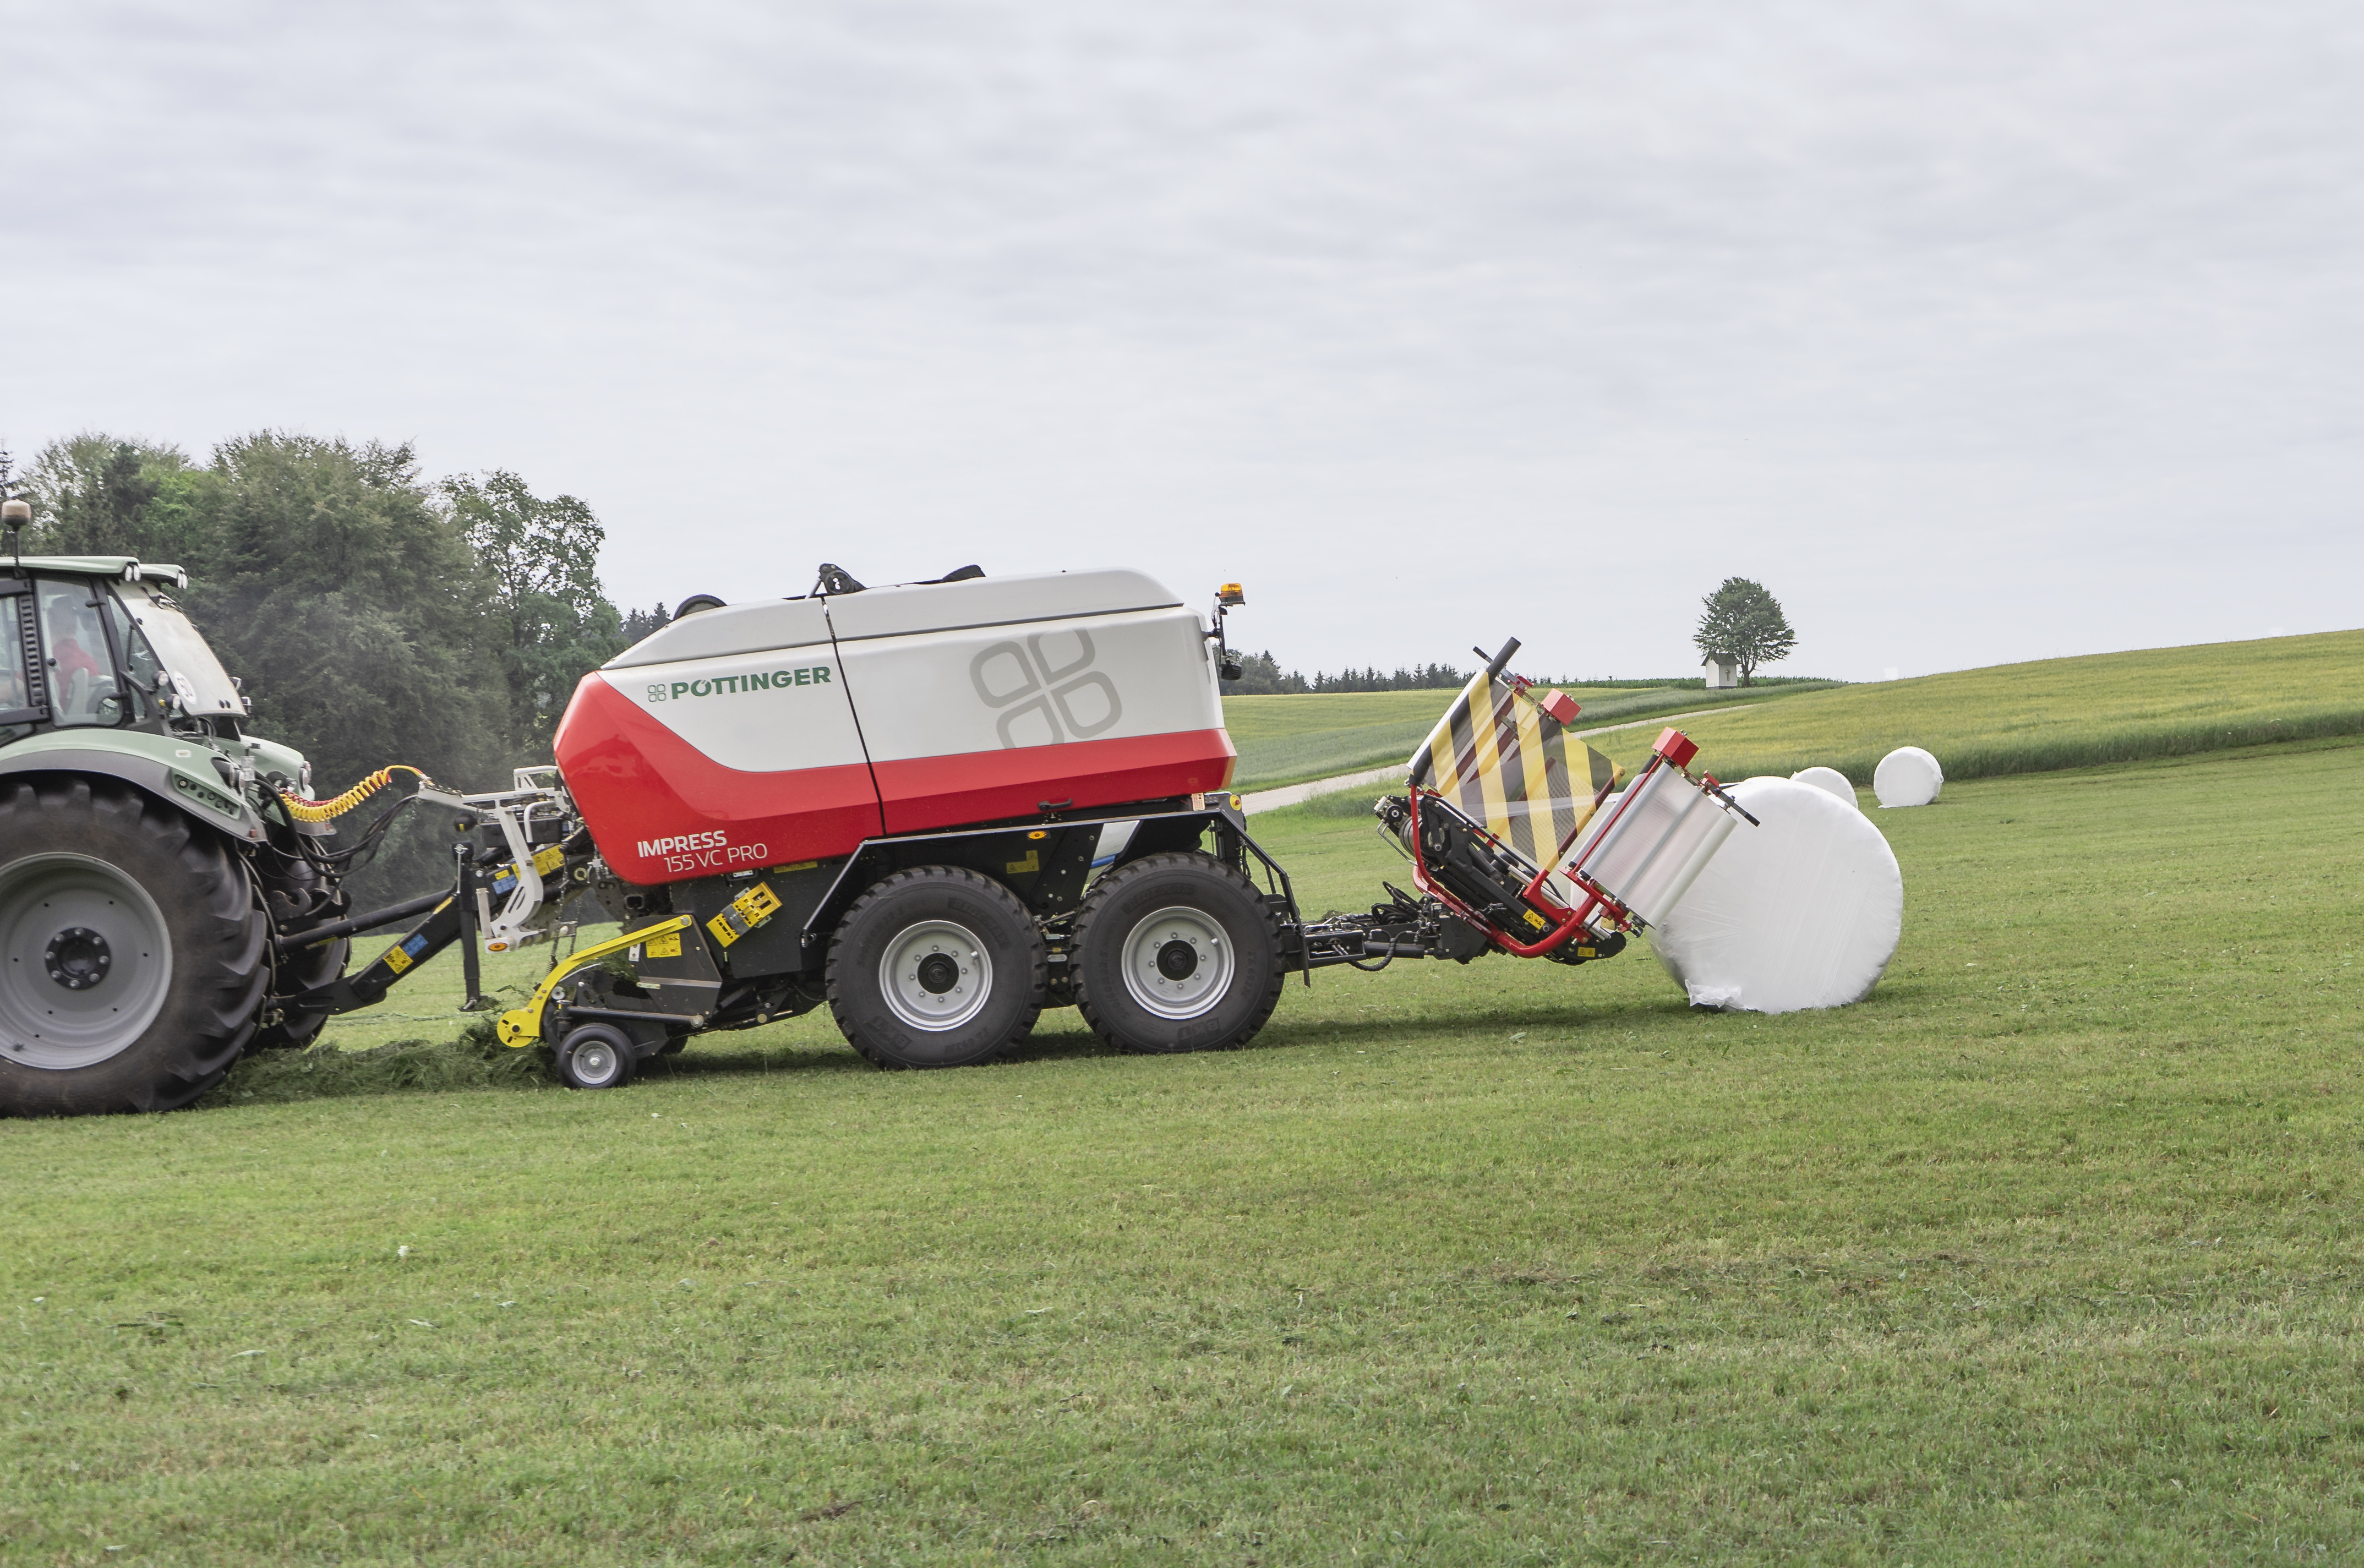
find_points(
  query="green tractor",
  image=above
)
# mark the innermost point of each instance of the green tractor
(148, 857)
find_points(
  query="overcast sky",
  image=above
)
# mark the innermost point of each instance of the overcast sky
(1976, 331)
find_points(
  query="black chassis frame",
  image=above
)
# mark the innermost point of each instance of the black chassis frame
(763, 972)
(767, 971)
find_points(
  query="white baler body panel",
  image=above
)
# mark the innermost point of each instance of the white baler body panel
(728, 630)
(799, 717)
(903, 709)
(994, 687)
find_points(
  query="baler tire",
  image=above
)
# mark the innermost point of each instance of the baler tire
(1185, 899)
(906, 907)
(77, 850)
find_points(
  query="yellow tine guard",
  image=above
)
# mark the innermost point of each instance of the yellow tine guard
(328, 811)
(520, 1027)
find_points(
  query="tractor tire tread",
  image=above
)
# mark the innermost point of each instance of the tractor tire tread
(218, 980)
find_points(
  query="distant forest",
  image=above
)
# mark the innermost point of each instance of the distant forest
(376, 616)
(1261, 674)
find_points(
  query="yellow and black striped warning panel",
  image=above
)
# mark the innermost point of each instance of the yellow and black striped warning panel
(1505, 762)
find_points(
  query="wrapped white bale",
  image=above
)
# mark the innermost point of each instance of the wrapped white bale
(1803, 911)
(1906, 776)
(1829, 779)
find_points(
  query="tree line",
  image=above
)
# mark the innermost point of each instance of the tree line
(1743, 623)
(375, 616)
(1261, 674)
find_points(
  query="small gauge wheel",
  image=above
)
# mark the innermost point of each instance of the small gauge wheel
(596, 1056)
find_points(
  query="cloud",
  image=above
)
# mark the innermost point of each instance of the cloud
(1437, 324)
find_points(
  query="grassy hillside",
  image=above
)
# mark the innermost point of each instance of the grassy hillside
(2046, 1252)
(1289, 739)
(2057, 713)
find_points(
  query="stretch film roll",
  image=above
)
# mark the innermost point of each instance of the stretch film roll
(1647, 856)
(1803, 911)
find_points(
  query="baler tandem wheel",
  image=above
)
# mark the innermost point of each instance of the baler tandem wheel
(1176, 952)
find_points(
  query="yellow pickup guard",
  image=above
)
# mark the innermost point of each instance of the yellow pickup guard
(520, 1027)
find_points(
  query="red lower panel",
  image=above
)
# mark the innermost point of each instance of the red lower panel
(661, 811)
(984, 787)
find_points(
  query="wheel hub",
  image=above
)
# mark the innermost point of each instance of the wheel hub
(85, 960)
(1177, 963)
(78, 958)
(935, 975)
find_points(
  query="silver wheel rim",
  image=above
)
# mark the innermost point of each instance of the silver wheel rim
(85, 960)
(935, 975)
(1177, 938)
(594, 1063)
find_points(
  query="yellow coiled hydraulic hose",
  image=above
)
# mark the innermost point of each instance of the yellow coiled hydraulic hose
(328, 811)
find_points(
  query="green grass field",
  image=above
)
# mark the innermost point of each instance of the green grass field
(2057, 713)
(1293, 739)
(2047, 1252)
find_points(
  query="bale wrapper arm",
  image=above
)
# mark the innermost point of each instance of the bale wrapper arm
(1520, 842)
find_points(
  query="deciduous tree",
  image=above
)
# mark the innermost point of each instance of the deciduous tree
(553, 623)
(98, 494)
(1744, 624)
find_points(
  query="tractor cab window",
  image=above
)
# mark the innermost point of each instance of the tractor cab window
(201, 686)
(80, 666)
(141, 669)
(17, 704)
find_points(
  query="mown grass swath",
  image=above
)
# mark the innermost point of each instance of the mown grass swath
(2056, 713)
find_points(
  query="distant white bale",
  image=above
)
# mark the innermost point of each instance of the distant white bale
(1803, 911)
(1829, 779)
(1906, 776)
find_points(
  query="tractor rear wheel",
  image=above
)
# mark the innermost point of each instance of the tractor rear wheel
(936, 967)
(1176, 953)
(131, 951)
(301, 971)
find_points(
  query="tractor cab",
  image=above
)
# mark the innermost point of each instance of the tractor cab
(98, 643)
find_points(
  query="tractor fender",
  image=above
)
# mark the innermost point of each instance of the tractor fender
(180, 773)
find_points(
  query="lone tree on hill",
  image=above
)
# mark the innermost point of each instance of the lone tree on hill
(1744, 624)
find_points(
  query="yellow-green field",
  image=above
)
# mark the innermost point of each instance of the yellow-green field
(2057, 713)
(1291, 740)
